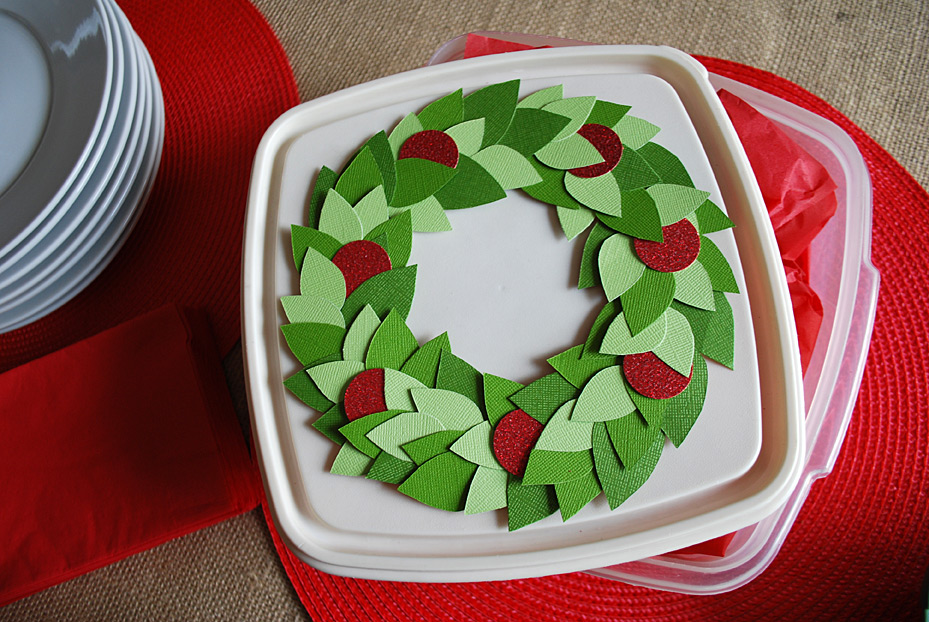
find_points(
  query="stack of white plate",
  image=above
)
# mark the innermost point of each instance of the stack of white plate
(81, 133)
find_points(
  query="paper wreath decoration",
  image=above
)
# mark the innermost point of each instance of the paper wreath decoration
(420, 417)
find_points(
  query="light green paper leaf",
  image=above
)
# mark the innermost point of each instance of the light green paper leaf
(406, 128)
(476, 445)
(350, 461)
(427, 216)
(574, 151)
(604, 397)
(356, 431)
(339, 220)
(677, 347)
(635, 132)
(487, 491)
(563, 434)
(693, 286)
(507, 166)
(542, 98)
(620, 268)
(620, 341)
(455, 411)
(332, 378)
(599, 193)
(401, 429)
(675, 202)
(574, 221)
(322, 278)
(359, 335)
(397, 386)
(308, 308)
(468, 136)
(372, 210)
(575, 108)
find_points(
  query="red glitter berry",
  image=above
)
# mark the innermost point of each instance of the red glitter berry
(514, 438)
(359, 261)
(431, 145)
(654, 378)
(365, 394)
(607, 143)
(680, 248)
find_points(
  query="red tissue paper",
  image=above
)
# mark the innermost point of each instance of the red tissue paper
(114, 445)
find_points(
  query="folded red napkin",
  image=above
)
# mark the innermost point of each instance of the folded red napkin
(114, 445)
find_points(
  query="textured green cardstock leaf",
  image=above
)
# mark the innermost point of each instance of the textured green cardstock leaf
(476, 445)
(666, 165)
(528, 504)
(598, 331)
(332, 378)
(677, 347)
(694, 287)
(458, 375)
(532, 129)
(350, 461)
(384, 158)
(577, 109)
(310, 342)
(578, 369)
(361, 177)
(645, 301)
(307, 308)
(358, 337)
(719, 341)
(676, 202)
(649, 408)
(562, 434)
(356, 431)
(397, 386)
(321, 278)
(441, 483)
(392, 344)
(487, 490)
(574, 494)
(418, 179)
(302, 238)
(427, 216)
(472, 186)
(572, 152)
(402, 429)
(599, 193)
(619, 482)
(468, 136)
(388, 469)
(496, 104)
(399, 232)
(303, 388)
(640, 217)
(542, 98)
(711, 219)
(717, 267)
(541, 398)
(620, 268)
(607, 113)
(635, 132)
(424, 364)
(507, 166)
(633, 172)
(339, 220)
(406, 128)
(497, 392)
(589, 274)
(604, 397)
(632, 436)
(372, 209)
(682, 410)
(388, 290)
(551, 467)
(443, 113)
(453, 410)
(325, 181)
(574, 221)
(619, 339)
(330, 421)
(551, 190)
(424, 449)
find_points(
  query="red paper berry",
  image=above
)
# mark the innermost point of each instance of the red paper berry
(365, 394)
(514, 438)
(359, 261)
(654, 378)
(680, 248)
(431, 145)
(607, 143)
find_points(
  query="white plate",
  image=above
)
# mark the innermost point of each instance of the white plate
(360, 528)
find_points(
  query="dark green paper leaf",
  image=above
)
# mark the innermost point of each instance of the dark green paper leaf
(325, 181)
(384, 158)
(385, 291)
(607, 314)
(631, 437)
(419, 179)
(640, 217)
(393, 343)
(551, 189)
(551, 467)
(443, 113)
(647, 299)
(619, 482)
(472, 186)
(302, 238)
(711, 219)
(424, 364)
(633, 172)
(329, 423)
(441, 482)
(717, 267)
(541, 398)
(306, 391)
(458, 375)
(574, 494)
(388, 469)
(666, 165)
(532, 129)
(590, 273)
(607, 113)
(360, 177)
(497, 392)
(496, 104)
(682, 410)
(310, 341)
(424, 449)
(528, 504)
(356, 430)
(578, 369)
(399, 233)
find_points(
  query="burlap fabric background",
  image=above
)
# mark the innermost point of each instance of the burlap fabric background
(870, 59)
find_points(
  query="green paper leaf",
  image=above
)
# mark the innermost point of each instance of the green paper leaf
(632, 436)
(441, 482)
(541, 398)
(321, 278)
(717, 267)
(476, 445)
(355, 431)
(635, 132)
(392, 344)
(640, 217)
(574, 221)
(633, 172)
(453, 410)
(330, 421)
(350, 461)
(418, 179)
(406, 128)
(619, 482)
(303, 388)
(541, 98)
(563, 434)
(487, 491)
(577, 109)
(388, 290)
(598, 193)
(339, 220)
(574, 151)
(359, 335)
(711, 219)
(604, 397)
(507, 166)
(325, 181)
(719, 342)
(303, 238)
(468, 136)
(693, 286)
(598, 331)
(676, 202)
(607, 113)
(574, 494)
(551, 190)
(311, 342)
(666, 165)
(650, 409)
(578, 369)
(620, 341)
(496, 104)
(645, 301)
(388, 469)
(332, 378)
(528, 504)
(428, 216)
(532, 129)
(497, 392)
(458, 375)
(399, 232)
(443, 113)
(397, 387)
(620, 268)
(402, 429)
(589, 273)
(472, 186)
(309, 308)
(372, 210)
(360, 177)
(682, 410)
(551, 467)
(424, 449)
(384, 158)
(424, 364)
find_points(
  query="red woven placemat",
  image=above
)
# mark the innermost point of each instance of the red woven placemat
(225, 79)
(860, 546)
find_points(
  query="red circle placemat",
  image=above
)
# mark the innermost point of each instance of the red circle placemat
(860, 546)
(225, 79)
